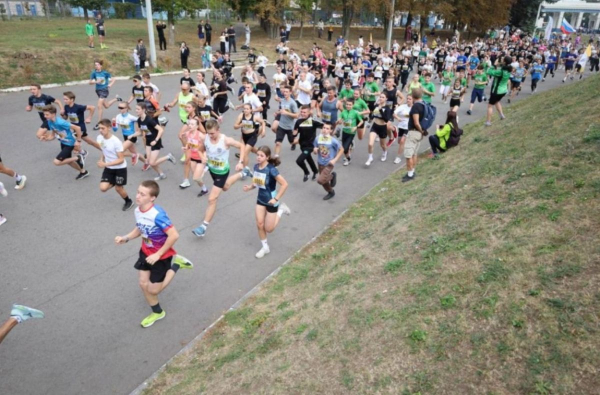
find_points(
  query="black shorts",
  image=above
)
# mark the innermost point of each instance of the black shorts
(102, 93)
(66, 151)
(101, 33)
(114, 177)
(568, 67)
(578, 67)
(347, 139)
(270, 209)
(158, 271)
(196, 160)
(454, 103)
(281, 133)
(515, 84)
(495, 98)
(45, 125)
(402, 132)
(277, 117)
(381, 130)
(250, 138)
(132, 139)
(156, 147)
(219, 180)
(460, 68)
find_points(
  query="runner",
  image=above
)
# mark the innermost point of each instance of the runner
(447, 77)
(569, 62)
(252, 126)
(127, 122)
(137, 91)
(382, 116)
(455, 95)
(328, 150)
(181, 99)
(19, 178)
(157, 263)
(113, 162)
(75, 113)
(581, 62)
(216, 148)
(402, 114)
(329, 107)
(515, 81)
(478, 92)
(363, 109)
(152, 132)
(102, 80)
(536, 75)
(288, 112)
(39, 101)
(305, 132)
(194, 160)
(268, 209)
(263, 91)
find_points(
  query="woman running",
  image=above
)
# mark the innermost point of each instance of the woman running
(268, 208)
(252, 125)
(193, 136)
(382, 116)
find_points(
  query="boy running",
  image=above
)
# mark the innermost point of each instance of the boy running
(102, 80)
(328, 150)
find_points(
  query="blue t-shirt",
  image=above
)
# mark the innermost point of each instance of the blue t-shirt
(473, 63)
(571, 57)
(102, 79)
(328, 147)
(367, 63)
(461, 60)
(264, 180)
(536, 72)
(519, 73)
(551, 62)
(76, 115)
(62, 130)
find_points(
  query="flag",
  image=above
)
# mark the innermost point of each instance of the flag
(549, 26)
(588, 50)
(567, 28)
(371, 38)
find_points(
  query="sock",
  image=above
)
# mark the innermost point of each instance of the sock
(279, 213)
(17, 177)
(370, 156)
(411, 173)
(156, 308)
(18, 318)
(205, 224)
(127, 200)
(265, 244)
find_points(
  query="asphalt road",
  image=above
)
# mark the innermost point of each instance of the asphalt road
(58, 253)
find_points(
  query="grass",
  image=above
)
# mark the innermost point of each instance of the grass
(56, 51)
(467, 284)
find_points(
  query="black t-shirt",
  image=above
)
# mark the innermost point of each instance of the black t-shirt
(148, 128)
(383, 113)
(204, 113)
(188, 79)
(160, 28)
(138, 93)
(331, 65)
(38, 103)
(263, 91)
(220, 86)
(76, 115)
(281, 63)
(307, 131)
(251, 58)
(441, 57)
(100, 25)
(417, 108)
(391, 96)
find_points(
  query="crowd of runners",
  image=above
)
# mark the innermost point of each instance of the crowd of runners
(324, 104)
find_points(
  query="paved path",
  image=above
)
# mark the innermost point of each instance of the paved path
(58, 255)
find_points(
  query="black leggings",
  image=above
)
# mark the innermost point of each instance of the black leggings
(306, 156)
(548, 70)
(435, 144)
(534, 84)
(347, 139)
(594, 65)
(403, 79)
(162, 42)
(220, 105)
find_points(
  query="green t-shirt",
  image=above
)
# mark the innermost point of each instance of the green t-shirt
(89, 29)
(447, 77)
(360, 105)
(350, 119)
(371, 87)
(463, 82)
(346, 94)
(430, 87)
(480, 81)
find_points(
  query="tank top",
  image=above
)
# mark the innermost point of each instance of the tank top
(218, 155)
(456, 93)
(391, 97)
(193, 142)
(249, 126)
(182, 101)
(330, 111)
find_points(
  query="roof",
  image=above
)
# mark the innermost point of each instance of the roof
(571, 6)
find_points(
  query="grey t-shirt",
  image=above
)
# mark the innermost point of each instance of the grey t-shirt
(286, 122)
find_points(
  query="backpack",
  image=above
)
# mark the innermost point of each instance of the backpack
(454, 138)
(429, 116)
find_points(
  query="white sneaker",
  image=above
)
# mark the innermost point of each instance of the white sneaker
(2, 219)
(384, 156)
(3, 190)
(262, 252)
(21, 184)
(285, 209)
(397, 160)
(377, 139)
(369, 161)
(160, 177)
(185, 184)
(346, 163)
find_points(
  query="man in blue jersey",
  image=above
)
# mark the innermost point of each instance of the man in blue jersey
(37, 101)
(102, 79)
(75, 113)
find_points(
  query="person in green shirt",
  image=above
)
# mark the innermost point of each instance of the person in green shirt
(350, 120)
(481, 80)
(89, 32)
(363, 109)
(447, 78)
(464, 83)
(371, 91)
(439, 139)
(427, 87)
(499, 87)
(347, 92)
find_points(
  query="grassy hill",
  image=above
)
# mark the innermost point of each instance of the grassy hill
(482, 276)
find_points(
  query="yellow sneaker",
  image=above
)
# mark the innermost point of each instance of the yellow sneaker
(152, 318)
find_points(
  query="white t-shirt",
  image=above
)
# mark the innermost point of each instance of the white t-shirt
(253, 100)
(396, 47)
(387, 62)
(403, 111)
(203, 89)
(262, 61)
(303, 97)
(361, 42)
(450, 60)
(279, 79)
(406, 53)
(110, 149)
(354, 76)
(155, 89)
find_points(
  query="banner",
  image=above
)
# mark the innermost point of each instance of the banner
(549, 27)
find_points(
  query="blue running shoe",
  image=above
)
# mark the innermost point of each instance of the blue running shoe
(200, 231)
(23, 313)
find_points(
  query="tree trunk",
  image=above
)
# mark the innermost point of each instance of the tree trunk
(301, 25)
(85, 13)
(347, 15)
(171, 20)
(422, 24)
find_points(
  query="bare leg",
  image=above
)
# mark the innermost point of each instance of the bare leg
(8, 325)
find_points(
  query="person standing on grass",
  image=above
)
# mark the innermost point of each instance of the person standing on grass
(201, 33)
(158, 262)
(141, 50)
(102, 80)
(185, 54)
(160, 28)
(320, 27)
(415, 134)
(231, 36)
(208, 31)
(499, 87)
(100, 29)
(89, 32)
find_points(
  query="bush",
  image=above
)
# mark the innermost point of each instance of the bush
(122, 10)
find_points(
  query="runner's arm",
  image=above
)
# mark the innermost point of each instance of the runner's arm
(134, 234)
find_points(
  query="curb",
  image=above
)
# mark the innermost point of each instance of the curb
(118, 78)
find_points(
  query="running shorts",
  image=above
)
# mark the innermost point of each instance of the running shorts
(282, 133)
(158, 271)
(114, 177)
(66, 151)
(219, 180)
(250, 138)
(495, 98)
(102, 93)
(381, 130)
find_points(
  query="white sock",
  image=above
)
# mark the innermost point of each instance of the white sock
(370, 156)
(205, 224)
(204, 189)
(279, 212)
(265, 244)
(17, 177)
(411, 173)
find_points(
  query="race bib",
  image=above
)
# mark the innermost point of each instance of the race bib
(73, 118)
(261, 93)
(326, 116)
(259, 180)
(216, 164)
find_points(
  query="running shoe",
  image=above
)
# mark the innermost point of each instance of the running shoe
(146, 166)
(293, 147)
(246, 173)
(508, 100)
(185, 184)
(134, 159)
(200, 231)
(182, 159)
(329, 195)
(2, 219)
(369, 161)
(171, 158)
(21, 184)
(305, 178)
(333, 179)
(346, 162)
(203, 192)
(23, 313)
(397, 160)
(128, 205)
(3, 191)
(83, 175)
(118, 98)
(152, 318)
(160, 177)
(81, 160)
(407, 178)
(262, 252)
(384, 156)
(469, 112)
(96, 127)
(284, 209)
(488, 124)
(182, 262)
(314, 177)
(84, 153)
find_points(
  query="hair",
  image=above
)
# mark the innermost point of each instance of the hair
(507, 62)
(152, 186)
(136, 77)
(350, 100)
(286, 87)
(331, 88)
(125, 104)
(186, 69)
(193, 104)
(37, 86)
(417, 94)
(150, 88)
(248, 105)
(347, 81)
(327, 124)
(201, 72)
(140, 40)
(305, 107)
(99, 61)
(50, 108)
(69, 94)
(145, 75)
(105, 122)
(211, 124)
(275, 161)
(451, 119)
(427, 74)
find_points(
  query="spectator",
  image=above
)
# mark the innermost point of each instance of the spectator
(89, 32)
(185, 53)
(415, 134)
(100, 28)
(231, 36)
(208, 31)
(223, 42)
(160, 28)
(136, 60)
(320, 27)
(282, 35)
(329, 33)
(247, 31)
(141, 50)
(288, 30)
(201, 33)
(439, 140)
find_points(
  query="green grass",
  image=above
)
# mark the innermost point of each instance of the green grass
(482, 278)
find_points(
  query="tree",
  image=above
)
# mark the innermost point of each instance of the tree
(523, 13)
(87, 5)
(305, 8)
(173, 8)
